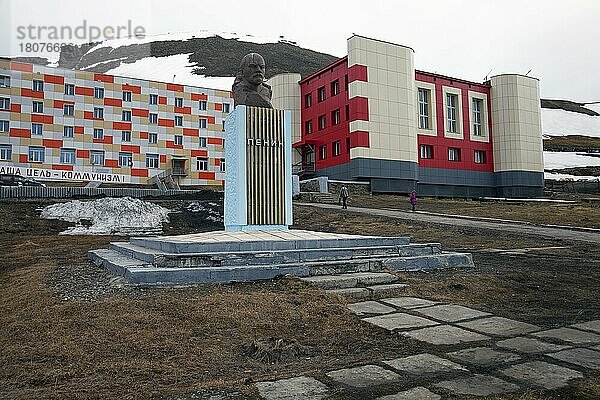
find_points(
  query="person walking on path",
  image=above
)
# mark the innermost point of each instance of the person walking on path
(344, 194)
(413, 200)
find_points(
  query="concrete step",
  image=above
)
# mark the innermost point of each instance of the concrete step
(221, 242)
(345, 281)
(369, 292)
(241, 258)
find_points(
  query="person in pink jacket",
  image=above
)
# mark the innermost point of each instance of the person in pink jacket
(413, 200)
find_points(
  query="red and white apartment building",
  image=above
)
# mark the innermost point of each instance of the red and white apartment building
(59, 124)
(369, 116)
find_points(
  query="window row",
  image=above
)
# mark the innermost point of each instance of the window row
(452, 112)
(322, 120)
(334, 90)
(336, 148)
(454, 154)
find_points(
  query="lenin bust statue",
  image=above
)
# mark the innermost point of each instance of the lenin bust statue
(249, 88)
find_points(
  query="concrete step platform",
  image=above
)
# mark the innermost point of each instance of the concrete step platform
(222, 257)
(369, 292)
(345, 281)
(226, 241)
(240, 258)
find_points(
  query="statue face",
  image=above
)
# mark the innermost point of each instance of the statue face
(253, 68)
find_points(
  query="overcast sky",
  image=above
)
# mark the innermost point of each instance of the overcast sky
(559, 41)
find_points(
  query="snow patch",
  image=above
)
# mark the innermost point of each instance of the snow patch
(174, 69)
(211, 213)
(566, 177)
(565, 159)
(562, 123)
(109, 216)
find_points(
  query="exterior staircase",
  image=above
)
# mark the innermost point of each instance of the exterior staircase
(358, 285)
(222, 257)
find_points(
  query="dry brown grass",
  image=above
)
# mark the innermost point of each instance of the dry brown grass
(161, 342)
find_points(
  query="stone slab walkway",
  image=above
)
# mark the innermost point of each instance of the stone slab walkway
(475, 353)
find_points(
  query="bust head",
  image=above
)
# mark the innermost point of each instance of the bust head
(253, 68)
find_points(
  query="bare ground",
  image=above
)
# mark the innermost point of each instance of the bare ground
(69, 330)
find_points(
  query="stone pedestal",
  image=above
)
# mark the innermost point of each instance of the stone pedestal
(258, 177)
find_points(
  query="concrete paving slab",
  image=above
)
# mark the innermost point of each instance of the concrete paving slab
(542, 374)
(570, 335)
(418, 393)
(354, 293)
(422, 364)
(586, 358)
(444, 335)
(593, 326)
(298, 388)
(499, 326)
(484, 356)
(398, 321)
(530, 345)
(451, 312)
(478, 385)
(365, 376)
(409, 302)
(376, 289)
(370, 307)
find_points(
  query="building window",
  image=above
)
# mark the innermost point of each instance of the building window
(4, 126)
(201, 141)
(222, 165)
(153, 118)
(4, 81)
(153, 99)
(36, 154)
(479, 157)
(5, 152)
(4, 103)
(152, 137)
(335, 87)
(178, 102)
(98, 113)
(223, 123)
(36, 129)
(348, 145)
(38, 107)
(477, 108)
(68, 110)
(322, 122)
(225, 107)
(178, 120)
(151, 160)
(99, 93)
(335, 117)
(346, 82)
(97, 157)
(125, 136)
(451, 101)
(307, 100)
(337, 148)
(126, 115)
(347, 112)
(178, 140)
(202, 123)
(125, 160)
(126, 96)
(202, 163)
(308, 126)
(453, 154)
(67, 156)
(426, 151)
(68, 131)
(322, 152)
(69, 89)
(202, 105)
(424, 101)
(38, 86)
(98, 133)
(321, 93)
